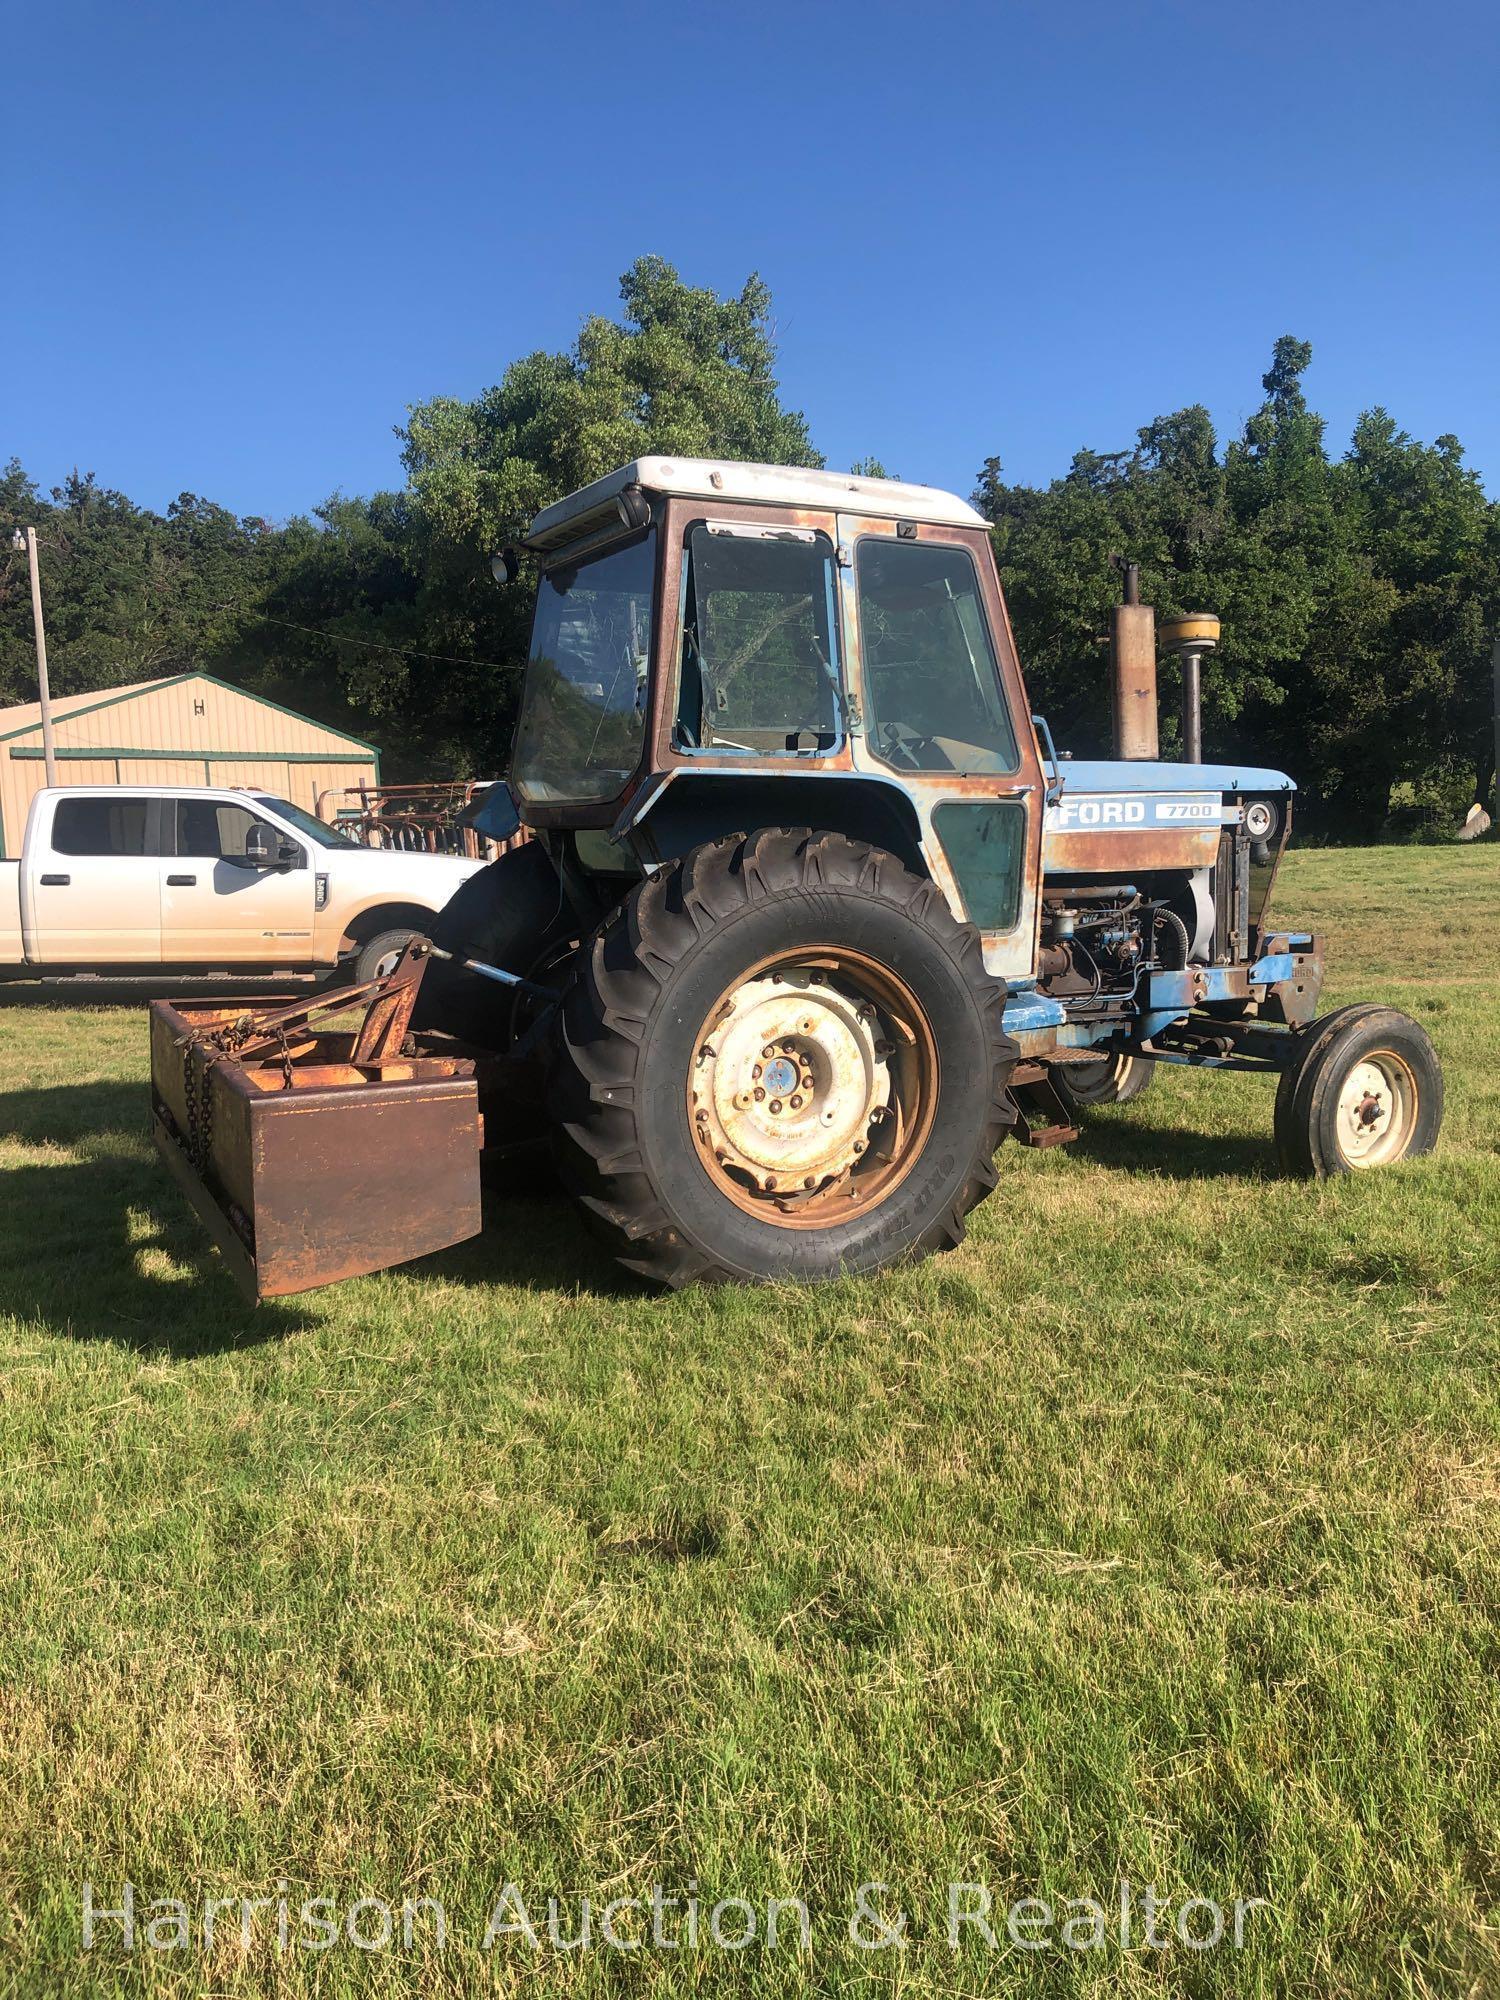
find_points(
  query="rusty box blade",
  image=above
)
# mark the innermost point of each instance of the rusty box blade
(350, 1167)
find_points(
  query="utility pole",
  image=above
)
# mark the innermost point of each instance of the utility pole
(28, 542)
(1497, 732)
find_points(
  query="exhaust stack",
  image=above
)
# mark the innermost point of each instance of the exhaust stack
(1132, 662)
(1190, 638)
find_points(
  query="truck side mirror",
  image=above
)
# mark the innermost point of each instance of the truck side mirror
(266, 848)
(260, 846)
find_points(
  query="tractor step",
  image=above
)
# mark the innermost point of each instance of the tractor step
(1044, 1119)
(314, 1154)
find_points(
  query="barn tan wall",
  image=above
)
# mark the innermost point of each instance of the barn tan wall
(220, 737)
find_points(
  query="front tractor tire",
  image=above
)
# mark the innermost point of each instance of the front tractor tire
(781, 1057)
(1364, 1089)
(1114, 1079)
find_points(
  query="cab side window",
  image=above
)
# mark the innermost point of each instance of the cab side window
(213, 829)
(932, 682)
(97, 826)
(758, 668)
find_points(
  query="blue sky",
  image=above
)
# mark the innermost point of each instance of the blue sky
(240, 241)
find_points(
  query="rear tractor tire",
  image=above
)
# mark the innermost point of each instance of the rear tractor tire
(781, 1057)
(1364, 1089)
(1115, 1079)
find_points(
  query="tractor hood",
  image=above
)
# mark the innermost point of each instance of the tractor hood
(1088, 774)
(1122, 816)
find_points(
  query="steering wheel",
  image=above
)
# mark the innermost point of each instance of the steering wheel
(904, 745)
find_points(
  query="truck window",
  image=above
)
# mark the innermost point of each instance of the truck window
(759, 666)
(931, 680)
(213, 829)
(101, 826)
(305, 822)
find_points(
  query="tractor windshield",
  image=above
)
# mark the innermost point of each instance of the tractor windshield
(583, 712)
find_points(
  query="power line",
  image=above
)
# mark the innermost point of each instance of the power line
(381, 646)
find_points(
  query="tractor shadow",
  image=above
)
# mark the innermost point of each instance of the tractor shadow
(96, 1243)
(533, 1238)
(536, 1244)
(1118, 1141)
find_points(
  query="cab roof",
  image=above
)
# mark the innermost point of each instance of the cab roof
(758, 485)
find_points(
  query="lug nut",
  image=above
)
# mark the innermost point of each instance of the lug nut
(796, 1104)
(701, 1115)
(755, 1071)
(775, 1104)
(859, 1145)
(759, 1094)
(769, 1050)
(810, 1181)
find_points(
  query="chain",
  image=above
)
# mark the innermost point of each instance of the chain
(201, 1052)
(197, 1086)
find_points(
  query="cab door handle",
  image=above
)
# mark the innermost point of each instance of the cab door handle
(181, 881)
(56, 881)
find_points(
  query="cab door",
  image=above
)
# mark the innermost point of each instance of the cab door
(217, 907)
(89, 894)
(943, 711)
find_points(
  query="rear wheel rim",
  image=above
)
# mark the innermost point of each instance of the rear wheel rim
(1376, 1113)
(812, 1087)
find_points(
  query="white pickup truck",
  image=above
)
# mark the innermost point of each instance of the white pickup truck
(130, 878)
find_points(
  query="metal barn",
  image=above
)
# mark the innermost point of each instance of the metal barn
(187, 729)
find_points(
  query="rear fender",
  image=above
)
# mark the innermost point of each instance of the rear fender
(678, 811)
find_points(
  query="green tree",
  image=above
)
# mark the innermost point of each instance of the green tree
(683, 372)
(1356, 594)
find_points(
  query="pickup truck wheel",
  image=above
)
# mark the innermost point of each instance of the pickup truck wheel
(781, 1058)
(1364, 1089)
(380, 956)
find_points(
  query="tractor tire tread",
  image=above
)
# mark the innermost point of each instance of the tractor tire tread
(621, 974)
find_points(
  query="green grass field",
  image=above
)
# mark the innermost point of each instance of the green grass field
(1153, 1535)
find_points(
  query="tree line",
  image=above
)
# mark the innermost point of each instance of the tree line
(1360, 593)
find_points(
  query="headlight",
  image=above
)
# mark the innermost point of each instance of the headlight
(1260, 819)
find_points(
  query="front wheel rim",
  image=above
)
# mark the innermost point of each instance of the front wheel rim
(812, 1087)
(1377, 1110)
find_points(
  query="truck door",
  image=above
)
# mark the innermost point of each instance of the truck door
(944, 711)
(217, 907)
(89, 881)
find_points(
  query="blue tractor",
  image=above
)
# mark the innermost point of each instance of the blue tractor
(799, 916)
(825, 914)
